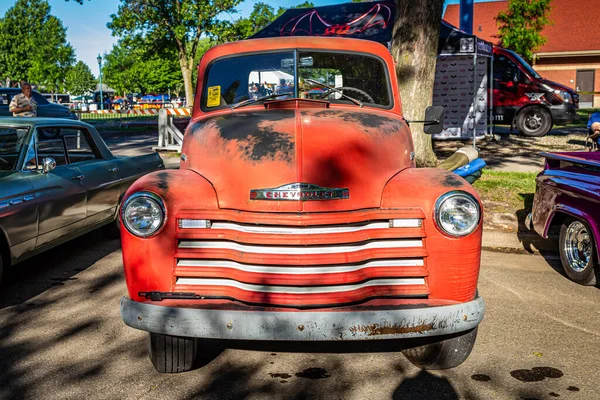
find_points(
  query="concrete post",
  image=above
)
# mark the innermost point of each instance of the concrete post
(163, 127)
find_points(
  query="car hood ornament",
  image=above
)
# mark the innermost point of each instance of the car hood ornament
(299, 192)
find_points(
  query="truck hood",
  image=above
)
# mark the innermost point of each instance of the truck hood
(558, 86)
(354, 150)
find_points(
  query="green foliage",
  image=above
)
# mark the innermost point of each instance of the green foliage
(128, 68)
(33, 45)
(175, 26)
(262, 15)
(306, 4)
(79, 79)
(521, 25)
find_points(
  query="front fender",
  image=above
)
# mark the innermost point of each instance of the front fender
(576, 213)
(148, 261)
(453, 263)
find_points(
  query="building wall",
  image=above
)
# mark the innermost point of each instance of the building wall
(564, 70)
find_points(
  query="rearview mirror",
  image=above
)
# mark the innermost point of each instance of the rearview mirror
(434, 120)
(48, 164)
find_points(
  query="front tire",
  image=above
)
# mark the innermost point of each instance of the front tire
(445, 354)
(172, 354)
(534, 121)
(577, 251)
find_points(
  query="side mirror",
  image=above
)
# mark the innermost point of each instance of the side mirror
(434, 120)
(48, 164)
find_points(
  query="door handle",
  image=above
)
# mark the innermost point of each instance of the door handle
(113, 170)
(77, 178)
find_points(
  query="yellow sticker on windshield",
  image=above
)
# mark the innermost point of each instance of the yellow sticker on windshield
(214, 96)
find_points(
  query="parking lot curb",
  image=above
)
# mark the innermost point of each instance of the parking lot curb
(518, 242)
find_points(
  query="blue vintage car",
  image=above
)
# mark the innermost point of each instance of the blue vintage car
(58, 180)
(45, 108)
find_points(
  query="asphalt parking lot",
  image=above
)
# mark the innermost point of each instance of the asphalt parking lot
(62, 338)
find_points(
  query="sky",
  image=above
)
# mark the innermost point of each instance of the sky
(86, 24)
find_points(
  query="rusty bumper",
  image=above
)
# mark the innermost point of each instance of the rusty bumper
(310, 326)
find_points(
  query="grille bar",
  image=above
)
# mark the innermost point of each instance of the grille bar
(301, 275)
(298, 290)
(302, 297)
(310, 230)
(298, 250)
(330, 269)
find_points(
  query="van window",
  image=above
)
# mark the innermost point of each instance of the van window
(505, 70)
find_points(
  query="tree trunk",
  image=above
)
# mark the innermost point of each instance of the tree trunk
(186, 71)
(414, 47)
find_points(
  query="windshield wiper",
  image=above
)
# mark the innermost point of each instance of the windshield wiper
(251, 101)
(332, 89)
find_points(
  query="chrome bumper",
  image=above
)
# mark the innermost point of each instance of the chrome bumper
(410, 322)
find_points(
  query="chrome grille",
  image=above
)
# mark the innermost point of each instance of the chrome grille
(302, 265)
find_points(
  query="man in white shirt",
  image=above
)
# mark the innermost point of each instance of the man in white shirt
(23, 104)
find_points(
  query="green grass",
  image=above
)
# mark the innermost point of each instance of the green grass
(506, 192)
(583, 117)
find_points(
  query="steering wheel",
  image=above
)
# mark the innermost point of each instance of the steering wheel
(350, 89)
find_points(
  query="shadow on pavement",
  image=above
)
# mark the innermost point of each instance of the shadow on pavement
(54, 267)
(425, 386)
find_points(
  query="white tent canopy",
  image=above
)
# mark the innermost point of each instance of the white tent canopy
(271, 77)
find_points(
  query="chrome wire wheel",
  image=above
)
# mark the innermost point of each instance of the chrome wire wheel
(578, 246)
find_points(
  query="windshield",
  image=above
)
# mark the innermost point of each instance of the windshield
(297, 74)
(527, 67)
(12, 141)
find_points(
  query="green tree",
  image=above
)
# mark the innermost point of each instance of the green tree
(33, 45)
(414, 47)
(262, 15)
(79, 79)
(306, 4)
(520, 26)
(171, 26)
(128, 68)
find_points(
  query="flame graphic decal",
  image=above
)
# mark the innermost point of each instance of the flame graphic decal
(311, 22)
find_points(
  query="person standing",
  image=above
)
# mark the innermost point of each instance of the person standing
(23, 104)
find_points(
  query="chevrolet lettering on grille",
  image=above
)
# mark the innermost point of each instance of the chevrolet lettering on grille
(300, 192)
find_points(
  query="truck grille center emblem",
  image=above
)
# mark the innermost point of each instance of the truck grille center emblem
(301, 192)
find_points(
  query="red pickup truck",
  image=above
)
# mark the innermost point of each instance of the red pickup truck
(298, 214)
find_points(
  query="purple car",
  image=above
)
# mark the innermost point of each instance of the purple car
(568, 197)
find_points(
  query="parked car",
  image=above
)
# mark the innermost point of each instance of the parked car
(54, 189)
(522, 98)
(566, 198)
(301, 219)
(45, 108)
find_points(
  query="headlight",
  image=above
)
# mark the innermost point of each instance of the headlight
(143, 214)
(457, 213)
(567, 97)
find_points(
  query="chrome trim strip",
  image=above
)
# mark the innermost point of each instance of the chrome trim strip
(299, 289)
(316, 325)
(331, 269)
(313, 230)
(300, 250)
